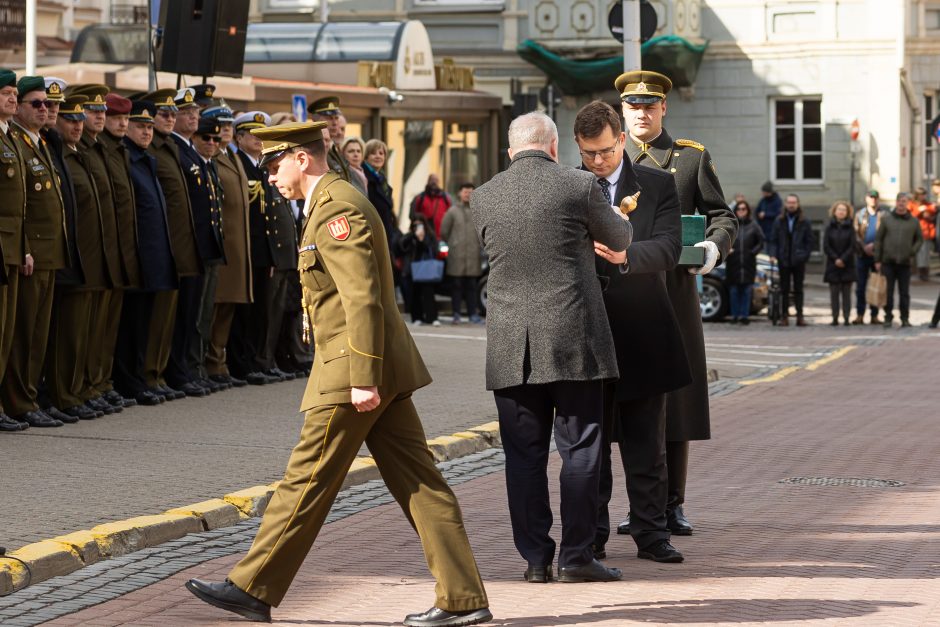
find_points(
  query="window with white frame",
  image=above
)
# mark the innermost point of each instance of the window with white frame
(796, 139)
(931, 146)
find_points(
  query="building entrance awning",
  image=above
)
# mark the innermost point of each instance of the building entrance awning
(677, 58)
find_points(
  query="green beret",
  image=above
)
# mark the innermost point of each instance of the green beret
(277, 139)
(7, 77)
(31, 83)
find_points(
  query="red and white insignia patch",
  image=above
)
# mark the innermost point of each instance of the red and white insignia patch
(339, 228)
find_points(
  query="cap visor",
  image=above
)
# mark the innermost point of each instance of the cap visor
(641, 99)
(270, 157)
(75, 117)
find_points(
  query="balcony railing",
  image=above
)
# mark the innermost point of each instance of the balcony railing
(128, 13)
(12, 23)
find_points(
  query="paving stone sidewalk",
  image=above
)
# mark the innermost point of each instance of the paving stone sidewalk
(831, 546)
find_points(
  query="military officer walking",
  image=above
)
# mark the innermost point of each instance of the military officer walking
(687, 418)
(366, 368)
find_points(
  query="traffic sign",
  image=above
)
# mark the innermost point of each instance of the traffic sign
(648, 21)
(854, 130)
(299, 107)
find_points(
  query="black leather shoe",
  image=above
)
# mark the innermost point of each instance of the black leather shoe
(118, 400)
(276, 373)
(538, 574)
(38, 419)
(237, 383)
(592, 571)
(212, 386)
(61, 416)
(191, 389)
(104, 406)
(227, 596)
(623, 528)
(661, 551)
(258, 378)
(224, 380)
(169, 393)
(600, 551)
(8, 424)
(678, 524)
(436, 617)
(98, 413)
(148, 399)
(82, 412)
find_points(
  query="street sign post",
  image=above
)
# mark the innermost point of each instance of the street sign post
(299, 107)
(854, 132)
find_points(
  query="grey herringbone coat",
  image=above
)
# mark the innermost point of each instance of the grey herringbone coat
(545, 317)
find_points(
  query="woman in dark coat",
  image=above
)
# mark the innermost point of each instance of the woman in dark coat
(741, 264)
(839, 248)
(419, 244)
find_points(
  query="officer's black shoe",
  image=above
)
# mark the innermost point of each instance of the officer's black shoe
(538, 574)
(678, 524)
(258, 378)
(82, 412)
(237, 383)
(623, 528)
(104, 406)
(191, 389)
(600, 551)
(8, 424)
(98, 413)
(169, 393)
(118, 400)
(228, 596)
(276, 373)
(212, 386)
(38, 419)
(661, 551)
(61, 416)
(148, 399)
(436, 617)
(161, 395)
(592, 571)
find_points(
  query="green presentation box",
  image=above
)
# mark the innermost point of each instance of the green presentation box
(693, 230)
(692, 256)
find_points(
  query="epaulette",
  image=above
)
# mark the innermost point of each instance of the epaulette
(324, 197)
(691, 143)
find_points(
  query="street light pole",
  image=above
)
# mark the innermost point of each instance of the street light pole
(30, 37)
(631, 35)
(151, 69)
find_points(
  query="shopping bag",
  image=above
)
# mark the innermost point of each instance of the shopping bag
(876, 293)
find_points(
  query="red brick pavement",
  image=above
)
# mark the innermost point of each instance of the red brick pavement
(763, 552)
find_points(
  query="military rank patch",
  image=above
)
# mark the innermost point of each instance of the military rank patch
(338, 228)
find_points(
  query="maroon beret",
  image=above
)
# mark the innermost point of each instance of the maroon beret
(117, 105)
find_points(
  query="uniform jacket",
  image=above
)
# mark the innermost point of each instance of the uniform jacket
(204, 200)
(45, 212)
(687, 415)
(115, 156)
(337, 163)
(235, 276)
(178, 206)
(741, 264)
(157, 267)
(271, 221)
(465, 253)
(791, 249)
(72, 275)
(88, 228)
(93, 150)
(650, 354)
(898, 239)
(545, 318)
(13, 208)
(839, 243)
(349, 296)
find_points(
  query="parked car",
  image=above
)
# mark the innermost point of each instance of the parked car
(713, 299)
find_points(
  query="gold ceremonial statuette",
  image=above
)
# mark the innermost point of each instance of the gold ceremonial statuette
(628, 204)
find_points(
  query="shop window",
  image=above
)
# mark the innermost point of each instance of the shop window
(796, 140)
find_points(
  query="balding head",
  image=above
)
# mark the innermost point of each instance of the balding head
(533, 131)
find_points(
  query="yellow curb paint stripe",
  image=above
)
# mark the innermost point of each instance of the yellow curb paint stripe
(811, 367)
(780, 374)
(819, 363)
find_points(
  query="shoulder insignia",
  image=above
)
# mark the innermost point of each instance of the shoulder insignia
(338, 228)
(691, 143)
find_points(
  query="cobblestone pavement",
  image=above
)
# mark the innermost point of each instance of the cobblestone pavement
(797, 523)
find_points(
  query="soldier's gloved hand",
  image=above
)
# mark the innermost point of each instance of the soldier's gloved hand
(711, 258)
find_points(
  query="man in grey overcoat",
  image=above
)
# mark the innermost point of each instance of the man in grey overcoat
(549, 345)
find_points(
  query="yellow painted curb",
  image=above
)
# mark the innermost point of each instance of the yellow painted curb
(213, 513)
(84, 543)
(126, 536)
(250, 501)
(819, 363)
(780, 374)
(46, 559)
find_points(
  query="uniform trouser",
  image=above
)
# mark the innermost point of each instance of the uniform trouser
(129, 379)
(98, 326)
(184, 331)
(30, 337)
(901, 274)
(160, 336)
(218, 339)
(106, 344)
(69, 339)
(840, 292)
(640, 429)
(330, 440)
(7, 318)
(269, 310)
(527, 414)
(204, 314)
(864, 265)
(792, 276)
(677, 465)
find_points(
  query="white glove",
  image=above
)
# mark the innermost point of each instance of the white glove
(711, 258)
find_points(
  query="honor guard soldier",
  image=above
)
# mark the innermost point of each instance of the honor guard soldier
(45, 237)
(327, 110)
(12, 234)
(165, 364)
(366, 368)
(643, 95)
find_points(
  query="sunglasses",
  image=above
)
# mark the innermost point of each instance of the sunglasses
(211, 138)
(39, 104)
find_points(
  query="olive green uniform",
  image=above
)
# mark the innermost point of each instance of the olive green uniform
(44, 226)
(12, 239)
(349, 295)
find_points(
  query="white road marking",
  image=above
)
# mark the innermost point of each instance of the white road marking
(449, 336)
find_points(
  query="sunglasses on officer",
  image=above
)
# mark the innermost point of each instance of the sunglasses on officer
(211, 138)
(39, 104)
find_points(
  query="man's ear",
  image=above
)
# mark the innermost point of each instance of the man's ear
(510, 153)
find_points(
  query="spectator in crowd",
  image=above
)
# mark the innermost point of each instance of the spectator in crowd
(420, 244)
(741, 264)
(432, 203)
(898, 239)
(738, 198)
(379, 191)
(353, 150)
(791, 243)
(464, 256)
(866, 226)
(768, 209)
(926, 213)
(839, 248)
(282, 117)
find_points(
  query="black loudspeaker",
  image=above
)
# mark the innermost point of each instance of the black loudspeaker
(202, 37)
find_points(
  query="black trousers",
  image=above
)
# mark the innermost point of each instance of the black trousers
(185, 331)
(900, 274)
(843, 292)
(464, 288)
(423, 305)
(133, 332)
(639, 426)
(792, 276)
(527, 416)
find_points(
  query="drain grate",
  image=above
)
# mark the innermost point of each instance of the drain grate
(853, 482)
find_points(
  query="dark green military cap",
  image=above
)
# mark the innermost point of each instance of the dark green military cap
(642, 87)
(162, 98)
(73, 107)
(31, 83)
(142, 111)
(325, 106)
(95, 93)
(276, 140)
(7, 77)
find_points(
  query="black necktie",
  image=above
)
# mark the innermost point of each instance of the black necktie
(605, 187)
